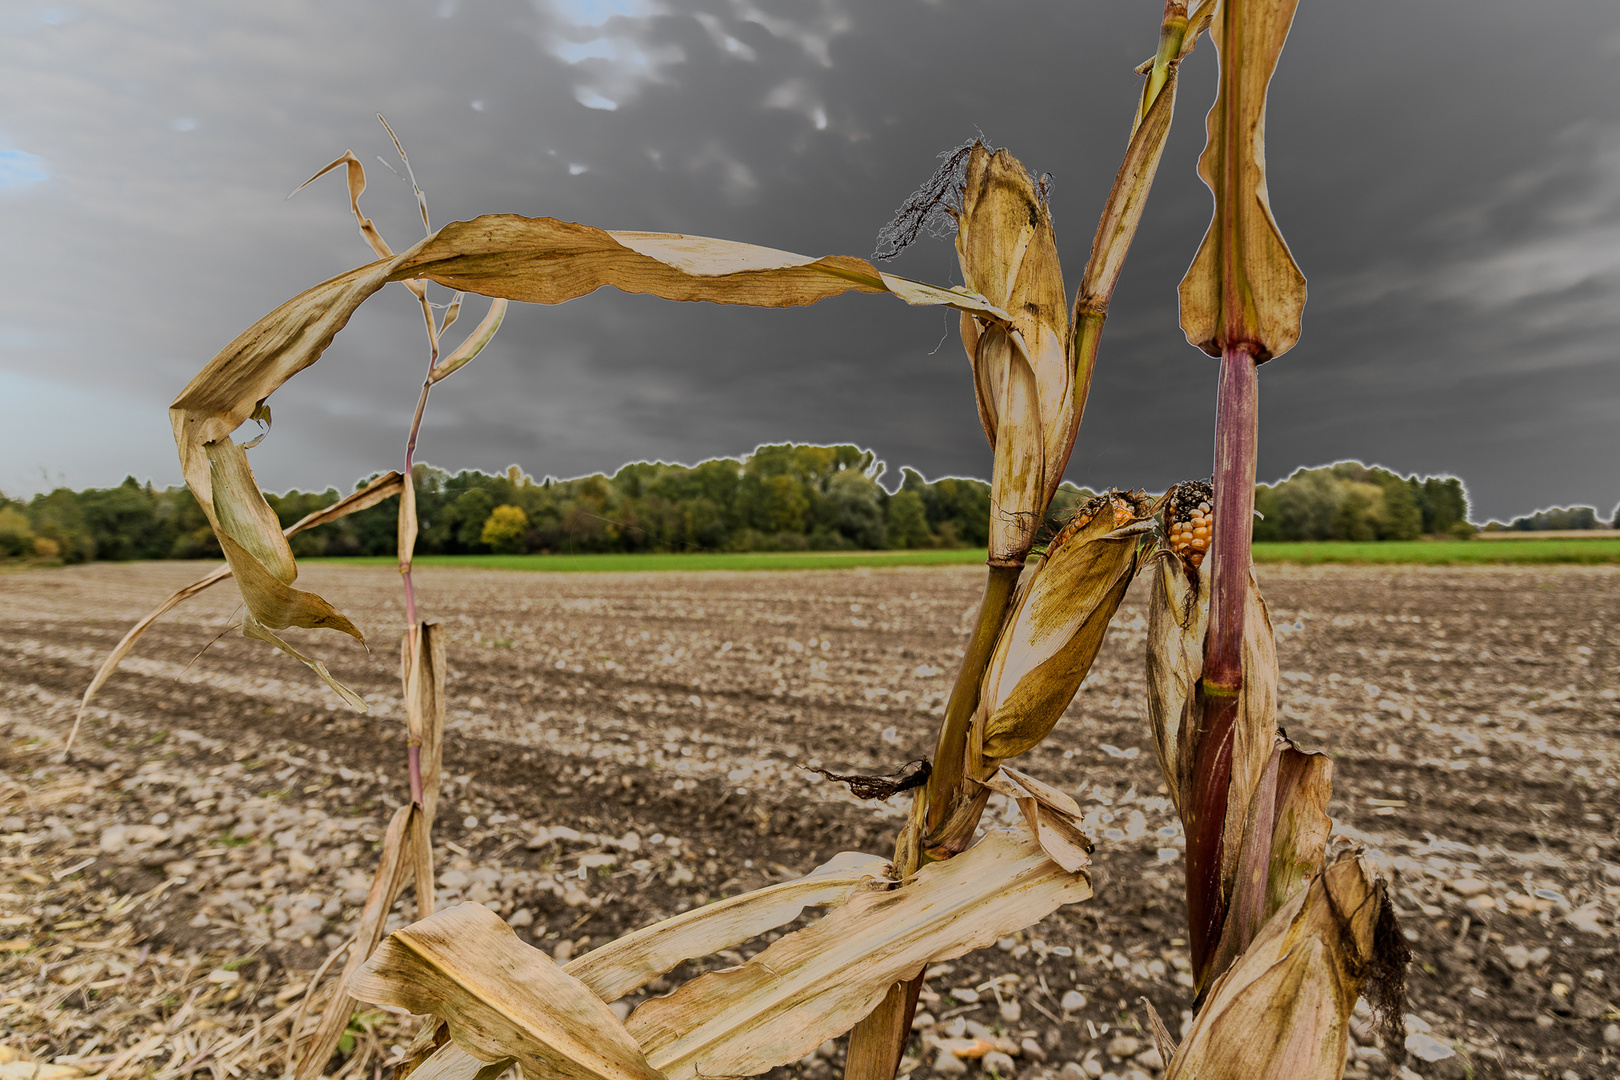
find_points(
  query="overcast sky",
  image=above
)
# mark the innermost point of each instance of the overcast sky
(1446, 172)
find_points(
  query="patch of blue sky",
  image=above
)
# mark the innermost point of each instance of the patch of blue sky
(19, 168)
(598, 12)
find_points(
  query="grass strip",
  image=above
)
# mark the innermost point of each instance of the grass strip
(642, 562)
(1442, 552)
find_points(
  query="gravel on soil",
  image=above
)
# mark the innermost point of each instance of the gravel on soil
(623, 747)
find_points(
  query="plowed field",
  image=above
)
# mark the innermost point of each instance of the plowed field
(179, 880)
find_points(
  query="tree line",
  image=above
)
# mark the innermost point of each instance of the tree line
(779, 498)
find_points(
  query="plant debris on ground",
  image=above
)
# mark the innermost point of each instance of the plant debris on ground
(624, 747)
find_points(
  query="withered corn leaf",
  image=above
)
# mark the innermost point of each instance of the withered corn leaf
(539, 260)
(1282, 1011)
(1243, 286)
(376, 491)
(422, 674)
(468, 350)
(501, 997)
(1059, 625)
(816, 983)
(1134, 180)
(630, 962)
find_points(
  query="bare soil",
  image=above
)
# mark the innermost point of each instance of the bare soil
(167, 892)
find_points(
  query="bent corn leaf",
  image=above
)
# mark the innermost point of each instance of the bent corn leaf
(816, 983)
(501, 997)
(1243, 287)
(630, 962)
(376, 491)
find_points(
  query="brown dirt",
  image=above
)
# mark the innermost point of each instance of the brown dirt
(1472, 714)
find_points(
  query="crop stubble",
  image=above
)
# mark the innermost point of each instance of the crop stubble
(1471, 712)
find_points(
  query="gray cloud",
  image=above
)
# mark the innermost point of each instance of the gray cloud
(1448, 175)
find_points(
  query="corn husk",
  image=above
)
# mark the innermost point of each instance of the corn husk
(1022, 375)
(1282, 1011)
(1057, 627)
(1178, 621)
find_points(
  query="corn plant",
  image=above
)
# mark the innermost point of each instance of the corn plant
(1282, 938)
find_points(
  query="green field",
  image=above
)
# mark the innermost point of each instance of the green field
(1443, 552)
(701, 560)
(1418, 552)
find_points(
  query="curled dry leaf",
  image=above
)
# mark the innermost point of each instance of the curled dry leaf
(1243, 287)
(539, 260)
(1052, 816)
(1282, 1011)
(380, 488)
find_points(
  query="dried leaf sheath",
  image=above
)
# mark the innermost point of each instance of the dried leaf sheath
(1282, 1011)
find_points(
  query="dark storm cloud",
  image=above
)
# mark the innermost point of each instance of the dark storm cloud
(1448, 175)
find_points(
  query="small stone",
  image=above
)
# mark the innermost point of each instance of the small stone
(453, 879)
(630, 842)
(621, 1009)
(1011, 1012)
(827, 1050)
(1093, 1067)
(1032, 1050)
(113, 839)
(1150, 1059)
(948, 1064)
(539, 840)
(563, 832)
(1000, 1064)
(1481, 903)
(1124, 1046)
(1072, 1071)
(1588, 918)
(966, 995)
(1517, 957)
(299, 863)
(574, 897)
(563, 951)
(1611, 1035)
(923, 1021)
(1006, 944)
(1073, 1000)
(221, 977)
(1426, 1047)
(521, 917)
(1467, 887)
